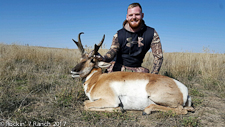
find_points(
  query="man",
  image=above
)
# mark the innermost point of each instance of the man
(132, 42)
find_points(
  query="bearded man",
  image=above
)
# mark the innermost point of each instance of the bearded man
(132, 42)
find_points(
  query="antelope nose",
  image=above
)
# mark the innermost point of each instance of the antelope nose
(74, 70)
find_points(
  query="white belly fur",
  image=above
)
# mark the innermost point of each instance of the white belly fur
(132, 94)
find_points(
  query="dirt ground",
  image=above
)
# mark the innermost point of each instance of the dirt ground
(212, 112)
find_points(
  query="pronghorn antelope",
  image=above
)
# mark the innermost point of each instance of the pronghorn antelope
(128, 90)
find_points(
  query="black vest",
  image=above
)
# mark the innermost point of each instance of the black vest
(134, 46)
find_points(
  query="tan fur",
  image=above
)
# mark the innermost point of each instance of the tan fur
(157, 86)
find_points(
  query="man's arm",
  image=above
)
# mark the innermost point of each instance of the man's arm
(157, 53)
(109, 56)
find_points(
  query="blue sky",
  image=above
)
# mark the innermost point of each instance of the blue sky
(183, 25)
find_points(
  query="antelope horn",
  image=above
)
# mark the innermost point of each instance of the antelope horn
(98, 46)
(79, 44)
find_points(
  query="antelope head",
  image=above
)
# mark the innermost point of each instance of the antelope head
(88, 61)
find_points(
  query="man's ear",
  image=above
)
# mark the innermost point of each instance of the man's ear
(102, 64)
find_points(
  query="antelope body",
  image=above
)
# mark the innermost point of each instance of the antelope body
(128, 90)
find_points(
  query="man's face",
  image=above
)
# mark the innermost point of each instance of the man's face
(134, 17)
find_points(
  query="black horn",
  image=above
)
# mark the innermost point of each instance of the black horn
(79, 44)
(98, 46)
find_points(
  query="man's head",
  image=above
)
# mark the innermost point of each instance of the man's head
(134, 15)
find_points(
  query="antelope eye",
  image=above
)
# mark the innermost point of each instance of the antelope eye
(92, 60)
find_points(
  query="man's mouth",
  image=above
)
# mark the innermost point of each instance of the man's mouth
(134, 20)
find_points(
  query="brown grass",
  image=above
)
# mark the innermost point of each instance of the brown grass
(203, 68)
(36, 88)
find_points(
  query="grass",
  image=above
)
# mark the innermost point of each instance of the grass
(36, 86)
(190, 122)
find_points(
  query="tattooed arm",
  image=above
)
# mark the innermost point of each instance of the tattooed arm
(157, 53)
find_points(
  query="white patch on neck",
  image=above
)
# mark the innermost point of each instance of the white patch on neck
(89, 76)
(183, 90)
(88, 93)
(86, 85)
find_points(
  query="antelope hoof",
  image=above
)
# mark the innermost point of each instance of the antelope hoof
(193, 111)
(144, 113)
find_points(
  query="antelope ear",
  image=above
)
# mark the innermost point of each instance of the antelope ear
(102, 64)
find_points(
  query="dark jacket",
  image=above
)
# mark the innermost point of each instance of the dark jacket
(134, 46)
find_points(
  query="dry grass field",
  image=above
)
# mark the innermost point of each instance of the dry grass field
(38, 90)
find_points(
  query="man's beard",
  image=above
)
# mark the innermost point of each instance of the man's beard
(136, 24)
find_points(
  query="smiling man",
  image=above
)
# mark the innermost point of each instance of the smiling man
(132, 42)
